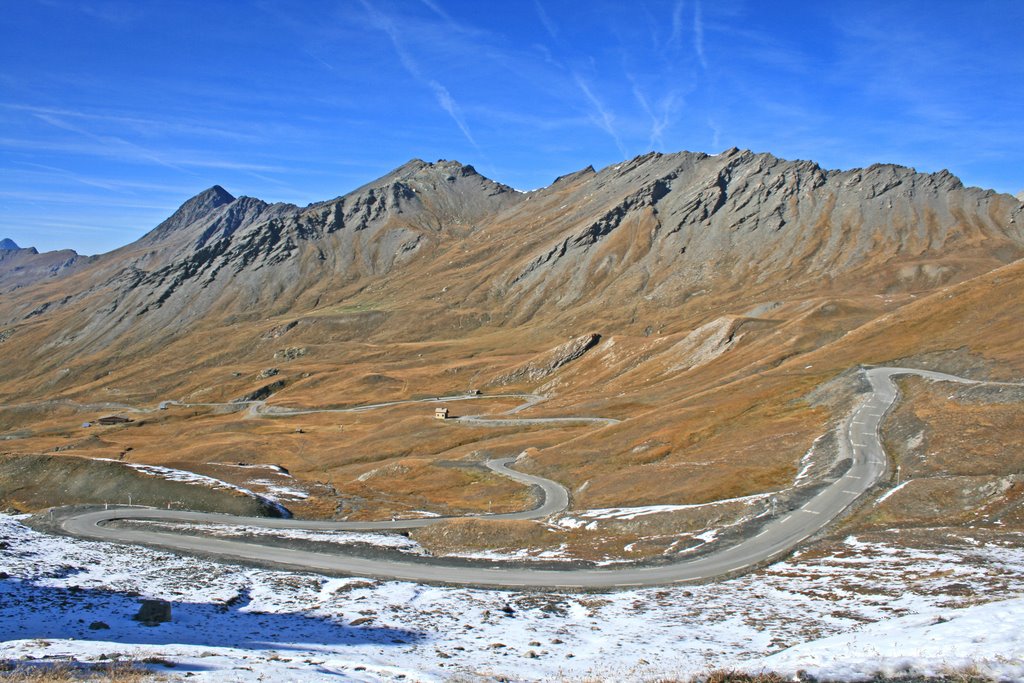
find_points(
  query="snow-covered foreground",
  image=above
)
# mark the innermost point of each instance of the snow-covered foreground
(868, 607)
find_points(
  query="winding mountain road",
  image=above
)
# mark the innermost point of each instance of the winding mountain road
(777, 537)
(261, 409)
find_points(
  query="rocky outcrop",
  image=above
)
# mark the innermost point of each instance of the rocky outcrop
(547, 363)
(153, 612)
(709, 341)
(291, 353)
(7, 244)
(25, 267)
(665, 226)
(263, 393)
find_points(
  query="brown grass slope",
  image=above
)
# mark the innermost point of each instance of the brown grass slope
(727, 291)
(434, 251)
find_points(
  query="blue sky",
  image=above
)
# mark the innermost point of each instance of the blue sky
(112, 112)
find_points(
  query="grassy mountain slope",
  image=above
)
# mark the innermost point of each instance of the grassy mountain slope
(732, 295)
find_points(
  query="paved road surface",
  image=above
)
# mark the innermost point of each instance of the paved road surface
(778, 537)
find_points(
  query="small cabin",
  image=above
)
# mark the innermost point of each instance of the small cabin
(441, 413)
(113, 420)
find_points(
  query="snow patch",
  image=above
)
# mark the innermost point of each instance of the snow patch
(890, 492)
(643, 511)
(393, 541)
(932, 642)
(187, 477)
(807, 462)
(277, 492)
(276, 468)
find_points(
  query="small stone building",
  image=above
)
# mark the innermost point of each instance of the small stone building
(441, 413)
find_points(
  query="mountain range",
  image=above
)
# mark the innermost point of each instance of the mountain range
(705, 299)
(660, 232)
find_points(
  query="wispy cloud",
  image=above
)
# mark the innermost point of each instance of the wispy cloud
(716, 134)
(531, 120)
(451, 23)
(436, 9)
(448, 103)
(130, 148)
(761, 48)
(601, 115)
(130, 153)
(50, 174)
(668, 115)
(675, 40)
(604, 119)
(141, 124)
(99, 232)
(549, 25)
(676, 37)
(645, 105)
(76, 199)
(441, 93)
(197, 160)
(320, 60)
(662, 114)
(698, 35)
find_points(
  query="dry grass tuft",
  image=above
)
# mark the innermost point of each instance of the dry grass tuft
(731, 676)
(462, 535)
(711, 676)
(73, 672)
(971, 673)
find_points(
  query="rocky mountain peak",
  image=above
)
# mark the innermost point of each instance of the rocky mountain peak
(205, 202)
(416, 172)
(7, 244)
(445, 189)
(196, 208)
(575, 175)
(454, 168)
(445, 169)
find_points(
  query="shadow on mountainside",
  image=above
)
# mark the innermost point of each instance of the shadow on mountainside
(31, 611)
